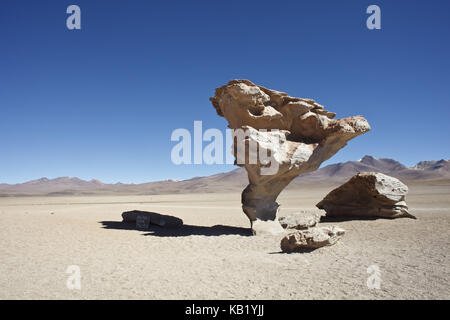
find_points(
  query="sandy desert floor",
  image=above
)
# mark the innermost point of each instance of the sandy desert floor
(213, 256)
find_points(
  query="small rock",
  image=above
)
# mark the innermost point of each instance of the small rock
(300, 220)
(312, 238)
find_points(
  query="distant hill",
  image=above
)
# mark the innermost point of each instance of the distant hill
(340, 172)
(235, 180)
(54, 185)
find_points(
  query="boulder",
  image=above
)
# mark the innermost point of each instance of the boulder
(155, 218)
(367, 195)
(312, 238)
(276, 137)
(300, 220)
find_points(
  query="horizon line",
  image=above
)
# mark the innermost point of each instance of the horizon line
(194, 177)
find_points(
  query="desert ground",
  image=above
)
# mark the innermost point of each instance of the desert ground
(214, 255)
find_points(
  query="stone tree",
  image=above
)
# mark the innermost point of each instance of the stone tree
(276, 138)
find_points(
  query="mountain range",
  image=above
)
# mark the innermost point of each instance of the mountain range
(235, 180)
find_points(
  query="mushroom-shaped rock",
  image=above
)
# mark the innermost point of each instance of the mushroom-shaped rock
(312, 238)
(277, 137)
(367, 195)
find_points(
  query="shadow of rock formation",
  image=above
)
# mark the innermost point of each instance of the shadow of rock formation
(184, 231)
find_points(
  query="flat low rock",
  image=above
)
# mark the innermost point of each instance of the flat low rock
(155, 218)
(367, 195)
(310, 239)
(301, 220)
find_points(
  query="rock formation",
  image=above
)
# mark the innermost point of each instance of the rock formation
(155, 218)
(280, 138)
(366, 195)
(301, 220)
(312, 238)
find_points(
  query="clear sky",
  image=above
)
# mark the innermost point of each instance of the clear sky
(102, 102)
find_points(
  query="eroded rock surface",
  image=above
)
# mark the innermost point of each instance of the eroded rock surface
(366, 195)
(297, 135)
(155, 218)
(312, 238)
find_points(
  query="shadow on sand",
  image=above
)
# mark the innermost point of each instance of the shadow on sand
(347, 218)
(294, 252)
(184, 231)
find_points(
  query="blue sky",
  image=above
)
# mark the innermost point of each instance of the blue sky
(102, 102)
